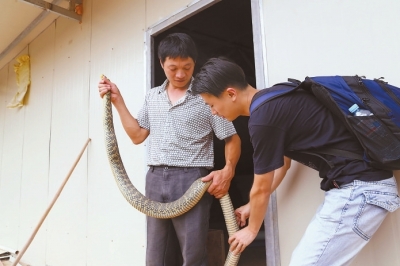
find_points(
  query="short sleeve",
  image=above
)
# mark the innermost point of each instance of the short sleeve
(222, 127)
(143, 114)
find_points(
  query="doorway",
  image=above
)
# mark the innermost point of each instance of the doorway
(223, 29)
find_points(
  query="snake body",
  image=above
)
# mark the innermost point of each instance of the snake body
(157, 209)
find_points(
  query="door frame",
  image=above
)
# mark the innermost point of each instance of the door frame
(272, 250)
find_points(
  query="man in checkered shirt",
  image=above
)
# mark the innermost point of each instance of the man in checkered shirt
(180, 128)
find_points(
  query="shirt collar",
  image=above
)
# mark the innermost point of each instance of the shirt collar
(163, 87)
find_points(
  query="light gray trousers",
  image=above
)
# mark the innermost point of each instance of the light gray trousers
(345, 222)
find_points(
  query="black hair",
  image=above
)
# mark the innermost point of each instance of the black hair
(177, 45)
(216, 75)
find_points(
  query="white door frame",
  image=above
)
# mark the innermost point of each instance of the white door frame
(272, 249)
(260, 57)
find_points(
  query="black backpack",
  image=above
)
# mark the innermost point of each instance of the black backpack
(379, 134)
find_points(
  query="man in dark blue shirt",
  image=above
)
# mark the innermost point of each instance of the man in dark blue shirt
(295, 126)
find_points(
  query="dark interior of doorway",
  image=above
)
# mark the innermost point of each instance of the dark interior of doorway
(225, 29)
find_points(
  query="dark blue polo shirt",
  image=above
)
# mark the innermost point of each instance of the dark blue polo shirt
(298, 122)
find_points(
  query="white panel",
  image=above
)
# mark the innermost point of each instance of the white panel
(332, 37)
(302, 184)
(20, 15)
(11, 164)
(3, 96)
(308, 38)
(116, 230)
(67, 221)
(35, 159)
(9, 9)
(159, 10)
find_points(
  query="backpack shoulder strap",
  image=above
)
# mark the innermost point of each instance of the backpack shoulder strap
(273, 92)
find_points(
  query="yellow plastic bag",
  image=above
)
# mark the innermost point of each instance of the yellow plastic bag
(22, 70)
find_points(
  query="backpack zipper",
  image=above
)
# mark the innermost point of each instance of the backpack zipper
(370, 98)
(388, 91)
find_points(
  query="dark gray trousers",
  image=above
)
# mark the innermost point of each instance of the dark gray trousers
(166, 185)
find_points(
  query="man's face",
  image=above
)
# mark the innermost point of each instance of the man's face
(178, 71)
(223, 106)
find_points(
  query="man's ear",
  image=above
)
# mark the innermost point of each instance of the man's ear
(231, 92)
(162, 65)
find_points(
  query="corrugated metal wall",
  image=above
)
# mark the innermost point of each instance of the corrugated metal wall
(309, 38)
(91, 224)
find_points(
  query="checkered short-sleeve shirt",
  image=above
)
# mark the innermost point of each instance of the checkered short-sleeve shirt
(181, 134)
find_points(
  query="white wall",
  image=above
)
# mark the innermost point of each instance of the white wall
(309, 38)
(91, 223)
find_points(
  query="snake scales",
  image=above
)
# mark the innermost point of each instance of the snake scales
(157, 209)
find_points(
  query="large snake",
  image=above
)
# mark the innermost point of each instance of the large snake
(157, 209)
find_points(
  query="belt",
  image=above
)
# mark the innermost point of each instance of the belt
(165, 167)
(337, 184)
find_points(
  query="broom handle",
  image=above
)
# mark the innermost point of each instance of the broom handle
(21, 253)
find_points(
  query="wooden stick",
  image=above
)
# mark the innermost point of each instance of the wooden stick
(20, 263)
(21, 253)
